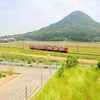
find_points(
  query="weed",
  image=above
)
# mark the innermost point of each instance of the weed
(11, 71)
(2, 74)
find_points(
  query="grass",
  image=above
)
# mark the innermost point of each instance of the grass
(90, 47)
(86, 47)
(2, 74)
(24, 59)
(79, 83)
(85, 50)
(11, 50)
(11, 71)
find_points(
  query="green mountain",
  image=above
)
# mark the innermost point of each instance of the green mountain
(77, 26)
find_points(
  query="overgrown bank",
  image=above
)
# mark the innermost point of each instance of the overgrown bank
(75, 83)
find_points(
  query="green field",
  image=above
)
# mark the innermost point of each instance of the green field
(79, 48)
(84, 47)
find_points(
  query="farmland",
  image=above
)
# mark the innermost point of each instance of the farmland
(80, 48)
(19, 52)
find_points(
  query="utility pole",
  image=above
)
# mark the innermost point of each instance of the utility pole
(77, 47)
(23, 44)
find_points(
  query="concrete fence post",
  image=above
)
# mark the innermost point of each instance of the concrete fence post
(41, 78)
(56, 65)
(26, 92)
(50, 71)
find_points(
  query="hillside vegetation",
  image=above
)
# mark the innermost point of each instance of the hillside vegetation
(77, 26)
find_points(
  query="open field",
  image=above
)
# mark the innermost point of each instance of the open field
(79, 48)
(19, 52)
(85, 47)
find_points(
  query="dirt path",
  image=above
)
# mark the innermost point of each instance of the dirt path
(60, 58)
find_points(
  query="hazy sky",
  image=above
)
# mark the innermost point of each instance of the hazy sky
(21, 16)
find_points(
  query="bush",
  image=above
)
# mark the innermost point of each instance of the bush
(1, 59)
(71, 61)
(98, 64)
(29, 60)
(2, 74)
(60, 72)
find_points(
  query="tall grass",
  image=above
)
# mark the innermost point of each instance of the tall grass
(77, 83)
(11, 71)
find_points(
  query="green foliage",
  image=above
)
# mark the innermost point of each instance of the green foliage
(98, 64)
(29, 60)
(1, 59)
(11, 71)
(60, 72)
(24, 59)
(2, 74)
(71, 61)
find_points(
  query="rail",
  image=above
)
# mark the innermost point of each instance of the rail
(37, 65)
(81, 53)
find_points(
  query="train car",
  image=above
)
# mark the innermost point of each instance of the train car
(62, 49)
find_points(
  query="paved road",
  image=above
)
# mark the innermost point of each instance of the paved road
(27, 75)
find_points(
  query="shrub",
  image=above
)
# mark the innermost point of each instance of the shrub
(1, 59)
(98, 64)
(71, 61)
(29, 60)
(60, 72)
(2, 74)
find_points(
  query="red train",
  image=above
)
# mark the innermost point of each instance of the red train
(62, 49)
